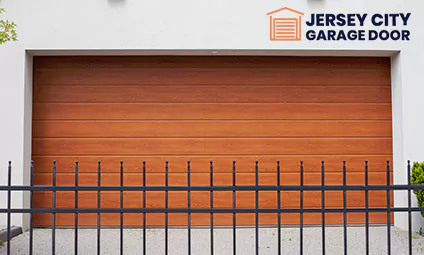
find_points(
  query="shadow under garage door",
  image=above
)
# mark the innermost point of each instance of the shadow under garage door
(198, 108)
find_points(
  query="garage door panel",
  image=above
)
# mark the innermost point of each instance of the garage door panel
(80, 111)
(214, 146)
(213, 94)
(178, 164)
(59, 62)
(215, 76)
(164, 129)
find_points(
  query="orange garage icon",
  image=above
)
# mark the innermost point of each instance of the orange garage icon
(285, 24)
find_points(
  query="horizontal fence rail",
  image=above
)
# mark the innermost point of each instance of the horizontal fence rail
(211, 210)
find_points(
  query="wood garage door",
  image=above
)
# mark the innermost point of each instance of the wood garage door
(210, 108)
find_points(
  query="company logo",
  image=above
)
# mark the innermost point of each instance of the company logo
(285, 24)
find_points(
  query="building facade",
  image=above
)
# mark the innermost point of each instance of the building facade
(349, 62)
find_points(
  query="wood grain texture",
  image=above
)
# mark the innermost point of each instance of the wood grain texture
(203, 76)
(199, 129)
(211, 146)
(200, 109)
(206, 76)
(211, 71)
(192, 111)
(212, 94)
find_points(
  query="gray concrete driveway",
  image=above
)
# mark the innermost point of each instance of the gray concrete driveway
(223, 241)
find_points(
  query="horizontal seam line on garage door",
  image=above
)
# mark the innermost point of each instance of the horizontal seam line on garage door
(218, 137)
(209, 85)
(221, 102)
(213, 103)
(208, 120)
(234, 138)
(40, 71)
(210, 102)
(226, 155)
(185, 155)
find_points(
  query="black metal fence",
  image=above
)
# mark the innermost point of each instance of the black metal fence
(278, 188)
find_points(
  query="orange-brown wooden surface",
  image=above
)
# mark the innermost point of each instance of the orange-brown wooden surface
(211, 94)
(210, 146)
(212, 111)
(245, 109)
(209, 129)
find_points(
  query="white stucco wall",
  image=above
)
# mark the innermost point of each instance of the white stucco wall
(149, 27)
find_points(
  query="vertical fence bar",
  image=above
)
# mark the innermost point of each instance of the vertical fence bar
(54, 207)
(9, 201)
(211, 203)
(189, 209)
(76, 207)
(323, 205)
(344, 208)
(409, 210)
(256, 207)
(98, 206)
(301, 209)
(144, 207)
(166, 207)
(31, 230)
(367, 216)
(279, 209)
(121, 206)
(234, 207)
(388, 209)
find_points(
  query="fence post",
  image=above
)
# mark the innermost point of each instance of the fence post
(144, 208)
(257, 207)
(388, 209)
(409, 209)
(31, 230)
(189, 209)
(166, 208)
(301, 208)
(344, 207)
(279, 208)
(323, 205)
(367, 220)
(54, 208)
(9, 200)
(211, 203)
(98, 206)
(234, 207)
(121, 206)
(76, 208)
